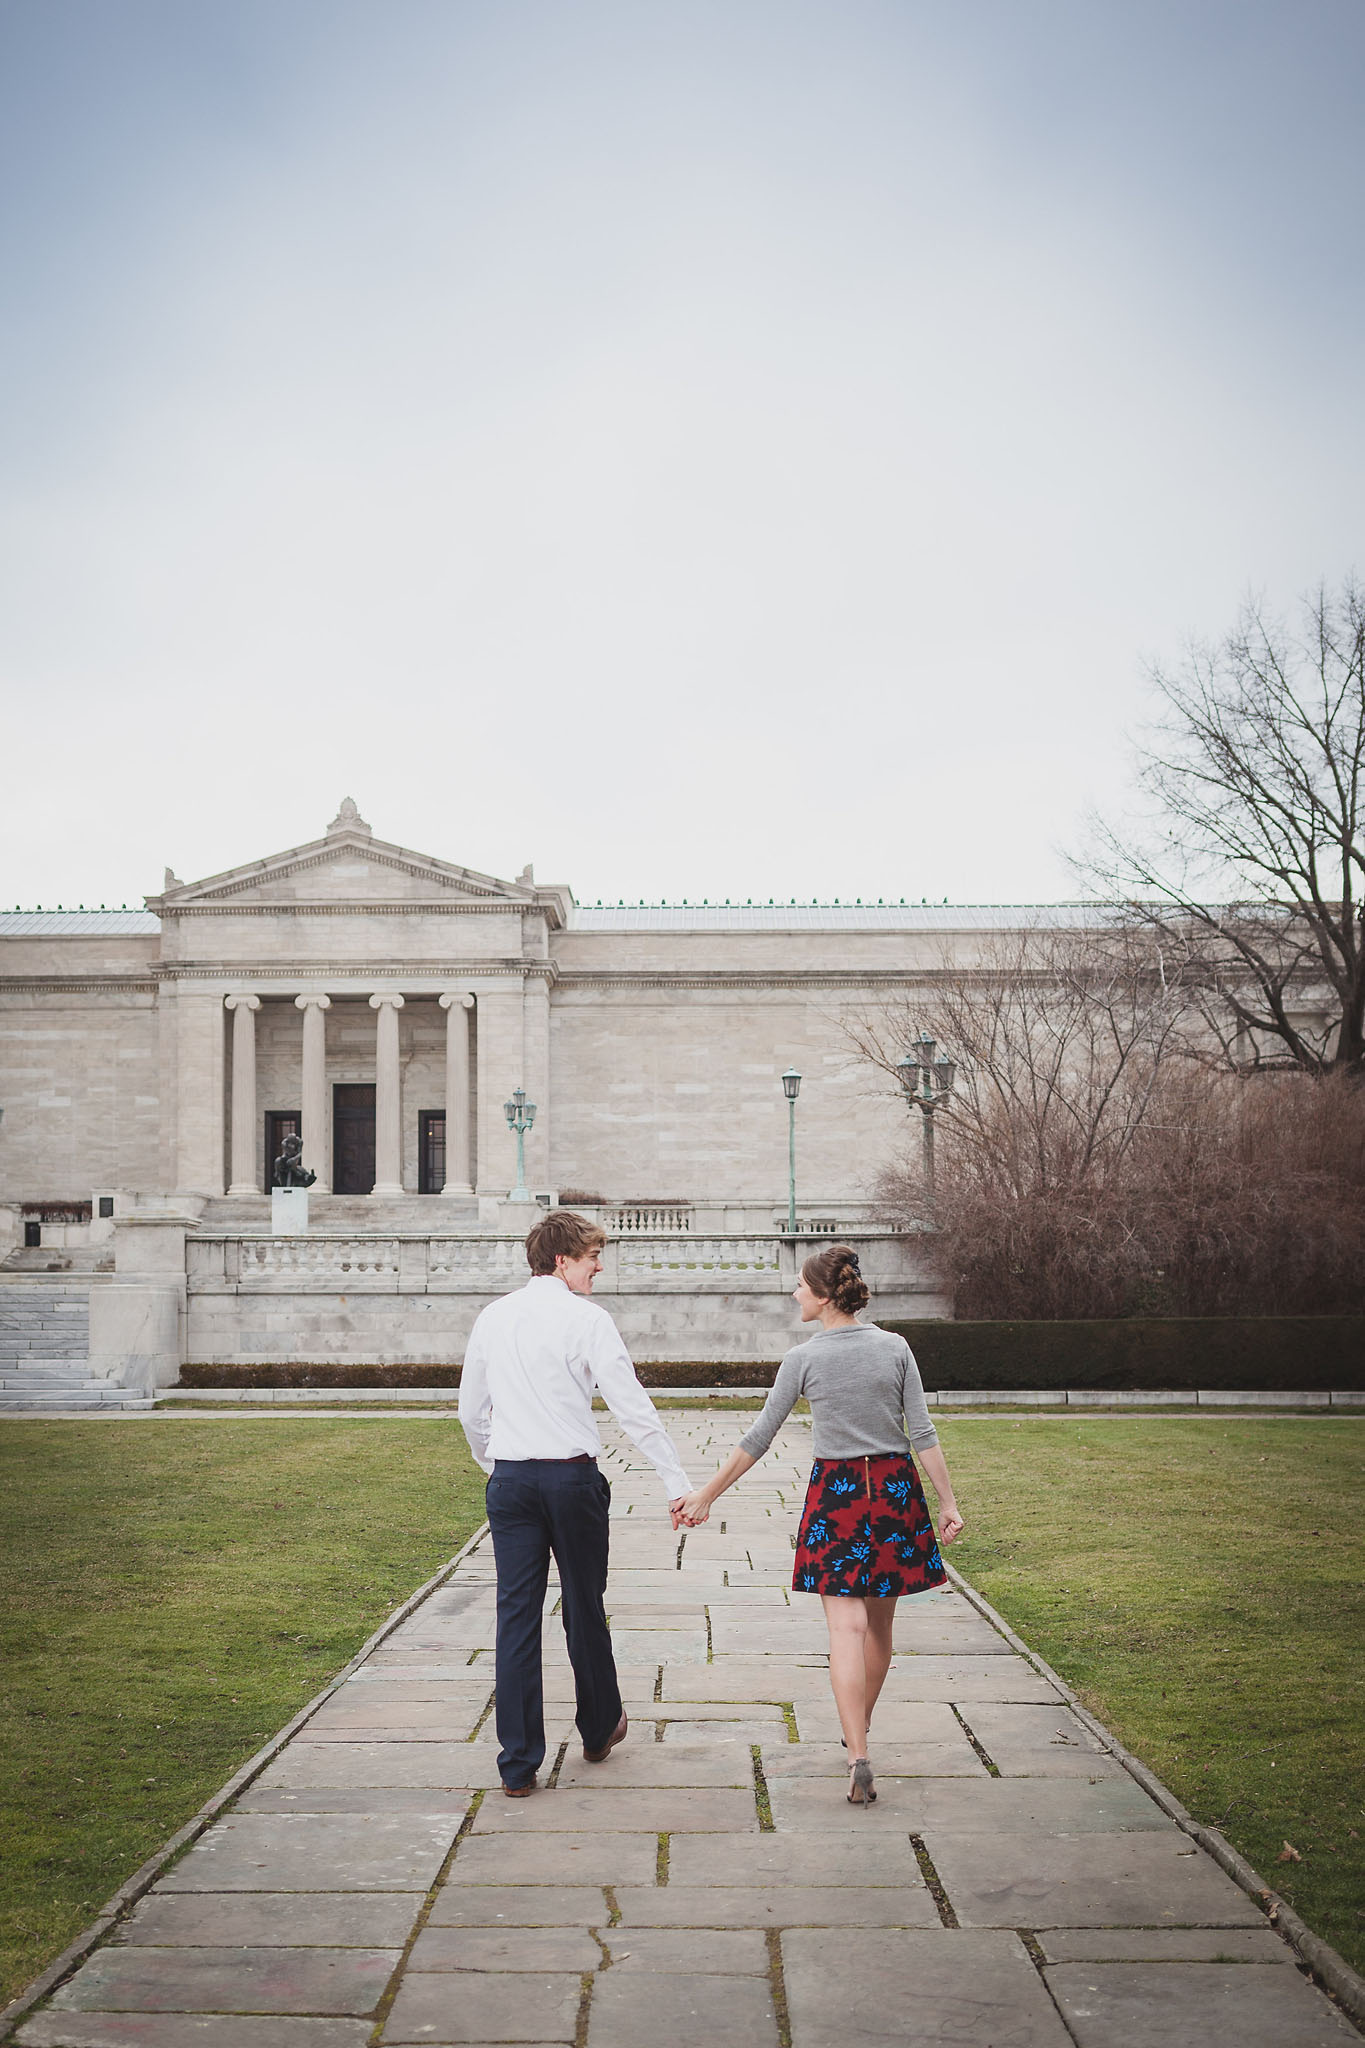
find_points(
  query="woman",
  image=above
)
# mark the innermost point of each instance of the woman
(866, 1536)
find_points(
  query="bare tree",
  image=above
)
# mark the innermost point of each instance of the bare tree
(1059, 1034)
(1089, 1167)
(1249, 871)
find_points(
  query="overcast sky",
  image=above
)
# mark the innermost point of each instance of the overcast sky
(705, 447)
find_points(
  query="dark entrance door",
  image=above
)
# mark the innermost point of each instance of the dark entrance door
(353, 1137)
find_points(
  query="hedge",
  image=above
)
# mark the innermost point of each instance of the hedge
(292, 1373)
(1314, 1354)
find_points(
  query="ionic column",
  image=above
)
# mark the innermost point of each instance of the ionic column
(388, 1105)
(314, 1098)
(457, 1006)
(243, 1180)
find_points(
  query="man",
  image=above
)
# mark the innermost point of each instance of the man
(531, 1364)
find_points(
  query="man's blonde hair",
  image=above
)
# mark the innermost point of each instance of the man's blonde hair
(561, 1234)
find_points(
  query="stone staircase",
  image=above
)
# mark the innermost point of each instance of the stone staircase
(45, 1345)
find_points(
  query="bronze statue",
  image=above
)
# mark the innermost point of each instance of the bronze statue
(290, 1171)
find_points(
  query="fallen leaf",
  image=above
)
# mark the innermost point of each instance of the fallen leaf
(1289, 1854)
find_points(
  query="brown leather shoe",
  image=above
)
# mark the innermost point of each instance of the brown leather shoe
(520, 1791)
(599, 1756)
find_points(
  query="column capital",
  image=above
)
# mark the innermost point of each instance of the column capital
(386, 995)
(242, 1002)
(301, 1002)
(456, 996)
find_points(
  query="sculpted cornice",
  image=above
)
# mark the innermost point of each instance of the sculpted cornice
(75, 985)
(419, 907)
(366, 974)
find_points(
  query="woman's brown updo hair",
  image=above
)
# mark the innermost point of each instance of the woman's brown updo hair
(835, 1275)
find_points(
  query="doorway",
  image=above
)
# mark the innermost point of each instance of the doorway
(353, 1137)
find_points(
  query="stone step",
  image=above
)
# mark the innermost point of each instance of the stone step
(14, 1403)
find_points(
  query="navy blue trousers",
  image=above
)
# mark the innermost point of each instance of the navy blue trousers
(538, 1507)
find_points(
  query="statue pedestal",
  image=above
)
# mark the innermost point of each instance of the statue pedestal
(289, 1212)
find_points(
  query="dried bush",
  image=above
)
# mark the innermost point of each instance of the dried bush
(1230, 1197)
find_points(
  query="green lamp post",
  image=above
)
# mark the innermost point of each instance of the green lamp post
(520, 1115)
(926, 1082)
(791, 1088)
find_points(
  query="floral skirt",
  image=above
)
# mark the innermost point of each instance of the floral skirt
(866, 1530)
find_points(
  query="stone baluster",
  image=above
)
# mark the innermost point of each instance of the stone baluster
(316, 1151)
(457, 1005)
(388, 1092)
(243, 1180)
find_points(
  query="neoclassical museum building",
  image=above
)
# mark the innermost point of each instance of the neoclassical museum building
(384, 1004)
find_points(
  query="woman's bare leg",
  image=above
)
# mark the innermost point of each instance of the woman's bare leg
(881, 1619)
(846, 1616)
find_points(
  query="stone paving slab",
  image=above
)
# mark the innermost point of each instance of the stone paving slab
(270, 1920)
(666, 1763)
(532, 1905)
(778, 1905)
(188, 2030)
(1165, 1945)
(807, 1762)
(966, 1678)
(448, 1764)
(1189, 2005)
(676, 1952)
(402, 1720)
(433, 2006)
(633, 2008)
(736, 1734)
(251, 1852)
(326, 1982)
(511, 1948)
(950, 1988)
(631, 1809)
(875, 1856)
(450, 1802)
(980, 1806)
(530, 1859)
(1146, 1879)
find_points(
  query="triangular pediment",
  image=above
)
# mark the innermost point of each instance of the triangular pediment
(348, 865)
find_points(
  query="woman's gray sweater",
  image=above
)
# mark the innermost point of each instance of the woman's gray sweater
(864, 1391)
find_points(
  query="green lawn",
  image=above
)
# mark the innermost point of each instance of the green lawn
(172, 1592)
(1201, 1586)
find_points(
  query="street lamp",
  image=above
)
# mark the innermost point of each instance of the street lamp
(926, 1082)
(791, 1088)
(520, 1115)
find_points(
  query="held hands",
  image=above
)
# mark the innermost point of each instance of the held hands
(688, 1510)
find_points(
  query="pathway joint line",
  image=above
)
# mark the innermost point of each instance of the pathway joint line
(1331, 1970)
(1033, 1949)
(384, 2004)
(991, 1765)
(761, 1799)
(145, 1877)
(661, 1861)
(553, 1779)
(777, 1985)
(933, 1881)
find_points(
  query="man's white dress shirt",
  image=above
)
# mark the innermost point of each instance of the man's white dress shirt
(526, 1388)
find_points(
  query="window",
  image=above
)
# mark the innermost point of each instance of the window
(431, 1151)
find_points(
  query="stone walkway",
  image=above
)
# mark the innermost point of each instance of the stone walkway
(1012, 1888)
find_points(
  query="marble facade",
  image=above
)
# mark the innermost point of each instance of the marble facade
(144, 1051)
